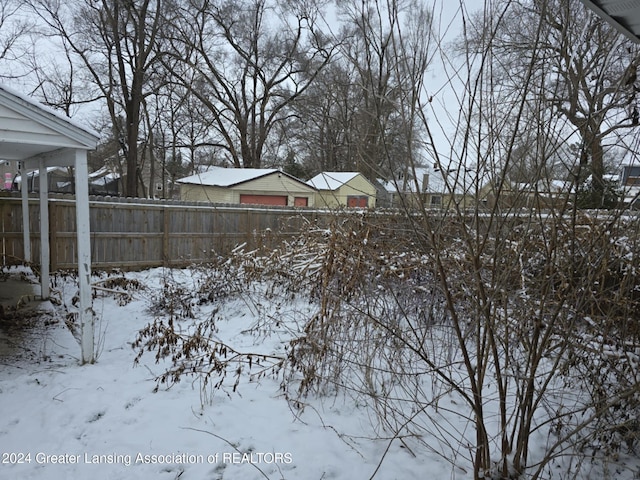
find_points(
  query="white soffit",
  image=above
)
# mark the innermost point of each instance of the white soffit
(622, 14)
(28, 128)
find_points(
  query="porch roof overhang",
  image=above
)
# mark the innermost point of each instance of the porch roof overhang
(39, 138)
(624, 15)
(30, 132)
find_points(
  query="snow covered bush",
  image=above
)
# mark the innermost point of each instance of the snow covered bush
(187, 309)
(490, 318)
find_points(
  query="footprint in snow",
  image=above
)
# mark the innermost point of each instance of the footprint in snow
(132, 403)
(96, 416)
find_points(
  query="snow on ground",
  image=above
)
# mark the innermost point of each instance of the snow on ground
(110, 421)
(104, 421)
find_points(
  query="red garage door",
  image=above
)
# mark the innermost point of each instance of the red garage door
(357, 201)
(300, 202)
(264, 199)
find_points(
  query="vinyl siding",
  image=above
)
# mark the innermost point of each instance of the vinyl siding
(204, 193)
(15, 128)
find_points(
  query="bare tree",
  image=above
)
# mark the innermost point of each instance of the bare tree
(322, 125)
(585, 71)
(115, 42)
(503, 339)
(360, 113)
(13, 29)
(389, 54)
(251, 60)
(497, 310)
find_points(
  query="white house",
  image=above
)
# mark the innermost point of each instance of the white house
(630, 184)
(432, 187)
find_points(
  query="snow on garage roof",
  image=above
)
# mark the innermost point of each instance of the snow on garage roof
(228, 177)
(331, 180)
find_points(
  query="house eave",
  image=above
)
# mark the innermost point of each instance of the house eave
(622, 15)
(79, 137)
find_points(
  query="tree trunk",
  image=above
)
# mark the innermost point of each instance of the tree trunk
(597, 169)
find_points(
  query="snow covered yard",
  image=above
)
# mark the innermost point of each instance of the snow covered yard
(104, 421)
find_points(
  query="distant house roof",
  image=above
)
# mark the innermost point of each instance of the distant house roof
(414, 182)
(103, 176)
(36, 173)
(331, 180)
(229, 177)
(458, 181)
(547, 186)
(624, 15)
(630, 182)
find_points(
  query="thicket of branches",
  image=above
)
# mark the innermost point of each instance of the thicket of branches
(517, 359)
(503, 339)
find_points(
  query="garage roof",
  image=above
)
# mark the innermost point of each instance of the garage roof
(226, 177)
(230, 177)
(622, 14)
(331, 180)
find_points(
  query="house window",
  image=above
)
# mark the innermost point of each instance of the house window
(631, 175)
(436, 200)
(300, 202)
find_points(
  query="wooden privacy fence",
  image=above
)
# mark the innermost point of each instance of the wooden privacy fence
(138, 233)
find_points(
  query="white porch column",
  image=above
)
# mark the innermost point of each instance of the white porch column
(85, 316)
(26, 230)
(44, 231)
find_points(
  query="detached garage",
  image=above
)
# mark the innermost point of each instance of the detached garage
(343, 189)
(248, 186)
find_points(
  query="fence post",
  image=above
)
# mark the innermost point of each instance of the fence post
(165, 236)
(250, 239)
(3, 246)
(53, 234)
